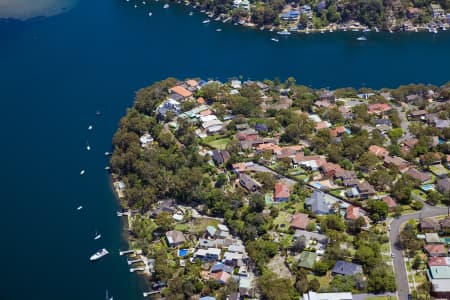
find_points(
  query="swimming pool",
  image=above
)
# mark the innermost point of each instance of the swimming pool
(182, 252)
(427, 187)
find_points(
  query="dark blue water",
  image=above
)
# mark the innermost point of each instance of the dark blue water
(55, 73)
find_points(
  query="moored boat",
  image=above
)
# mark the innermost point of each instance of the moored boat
(284, 32)
(99, 254)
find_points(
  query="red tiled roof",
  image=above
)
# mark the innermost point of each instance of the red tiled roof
(282, 190)
(353, 212)
(378, 151)
(440, 249)
(181, 91)
(390, 202)
(299, 221)
(200, 100)
(379, 107)
(437, 261)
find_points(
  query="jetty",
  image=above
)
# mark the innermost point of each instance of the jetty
(137, 269)
(145, 294)
(130, 262)
(126, 252)
(121, 214)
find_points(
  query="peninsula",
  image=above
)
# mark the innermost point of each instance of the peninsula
(275, 190)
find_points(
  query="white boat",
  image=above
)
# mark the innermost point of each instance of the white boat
(191, 13)
(98, 113)
(90, 127)
(135, 6)
(82, 172)
(99, 254)
(150, 14)
(143, 2)
(376, 29)
(206, 21)
(274, 40)
(322, 31)
(361, 38)
(107, 153)
(80, 207)
(88, 148)
(435, 30)
(107, 168)
(284, 32)
(166, 5)
(219, 29)
(107, 297)
(217, 19)
(261, 28)
(272, 29)
(97, 236)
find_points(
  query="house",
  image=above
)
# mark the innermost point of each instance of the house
(247, 135)
(299, 221)
(378, 151)
(338, 131)
(146, 139)
(418, 114)
(321, 203)
(429, 225)
(438, 261)
(432, 238)
(175, 238)
(419, 176)
(441, 288)
(312, 162)
(390, 203)
(401, 164)
(221, 277)
(234, 259)
(320, 238)
(327, 95)
(248, 183)
(327, 296)
(412, 98)
(210, 254)
(353, 212)
(445, 225)
(180, 90)
(211, 231)
(307, 259)
(378, 108)
(329, 169)
(436, 157)
(236, 84)
(365, 190)
(282, 192)
(436, 250)
(245, 286)
(413, 12)
(345, 268)
(220, 156)
(443, 185)
(437, 11)
(408, 145)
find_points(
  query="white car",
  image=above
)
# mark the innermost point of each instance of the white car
(392, 255)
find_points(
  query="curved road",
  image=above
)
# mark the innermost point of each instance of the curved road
(399, 262)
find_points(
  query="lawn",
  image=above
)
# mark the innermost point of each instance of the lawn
(201, 224)
(282, 221)
(219, 144)
(323, 280)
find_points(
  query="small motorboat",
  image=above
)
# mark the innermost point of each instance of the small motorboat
(143, 2)
(98, 113)
(275, 40)
(99, 254)
(150, 14)
(219, 29)
(284, 32)
(206, 21)
(261, 28)
(82, 172)
(90, 127)
(97, 236)
(361, 38)
(166, 5)
(191, 13)
(80, 207)
(107, 168)
(88, 147)
(107, 153)
(135, 6)
(217, 19)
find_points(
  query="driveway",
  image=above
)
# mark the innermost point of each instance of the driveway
(399, 262)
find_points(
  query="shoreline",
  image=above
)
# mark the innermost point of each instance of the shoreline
(341, 27)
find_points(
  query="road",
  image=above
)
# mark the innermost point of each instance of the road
(404, 123)
(399, 262)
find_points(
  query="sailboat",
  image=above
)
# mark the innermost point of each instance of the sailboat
(97, 236)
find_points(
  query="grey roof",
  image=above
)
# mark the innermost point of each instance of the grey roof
(320, 202)
(345, 268)
(221, 267)
(311, 236)
(443, 185)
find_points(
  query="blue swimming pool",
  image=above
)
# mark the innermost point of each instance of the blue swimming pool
(427, 187)
(182, 252)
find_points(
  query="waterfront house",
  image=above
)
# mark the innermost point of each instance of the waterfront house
(436, 250)
(429, 225)
(146, 140)
(180, 90)
(175, 238)
(345, 268)
(327, 95)
(282, 192)
(378, 108)
(299, 221)
(437, 11)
